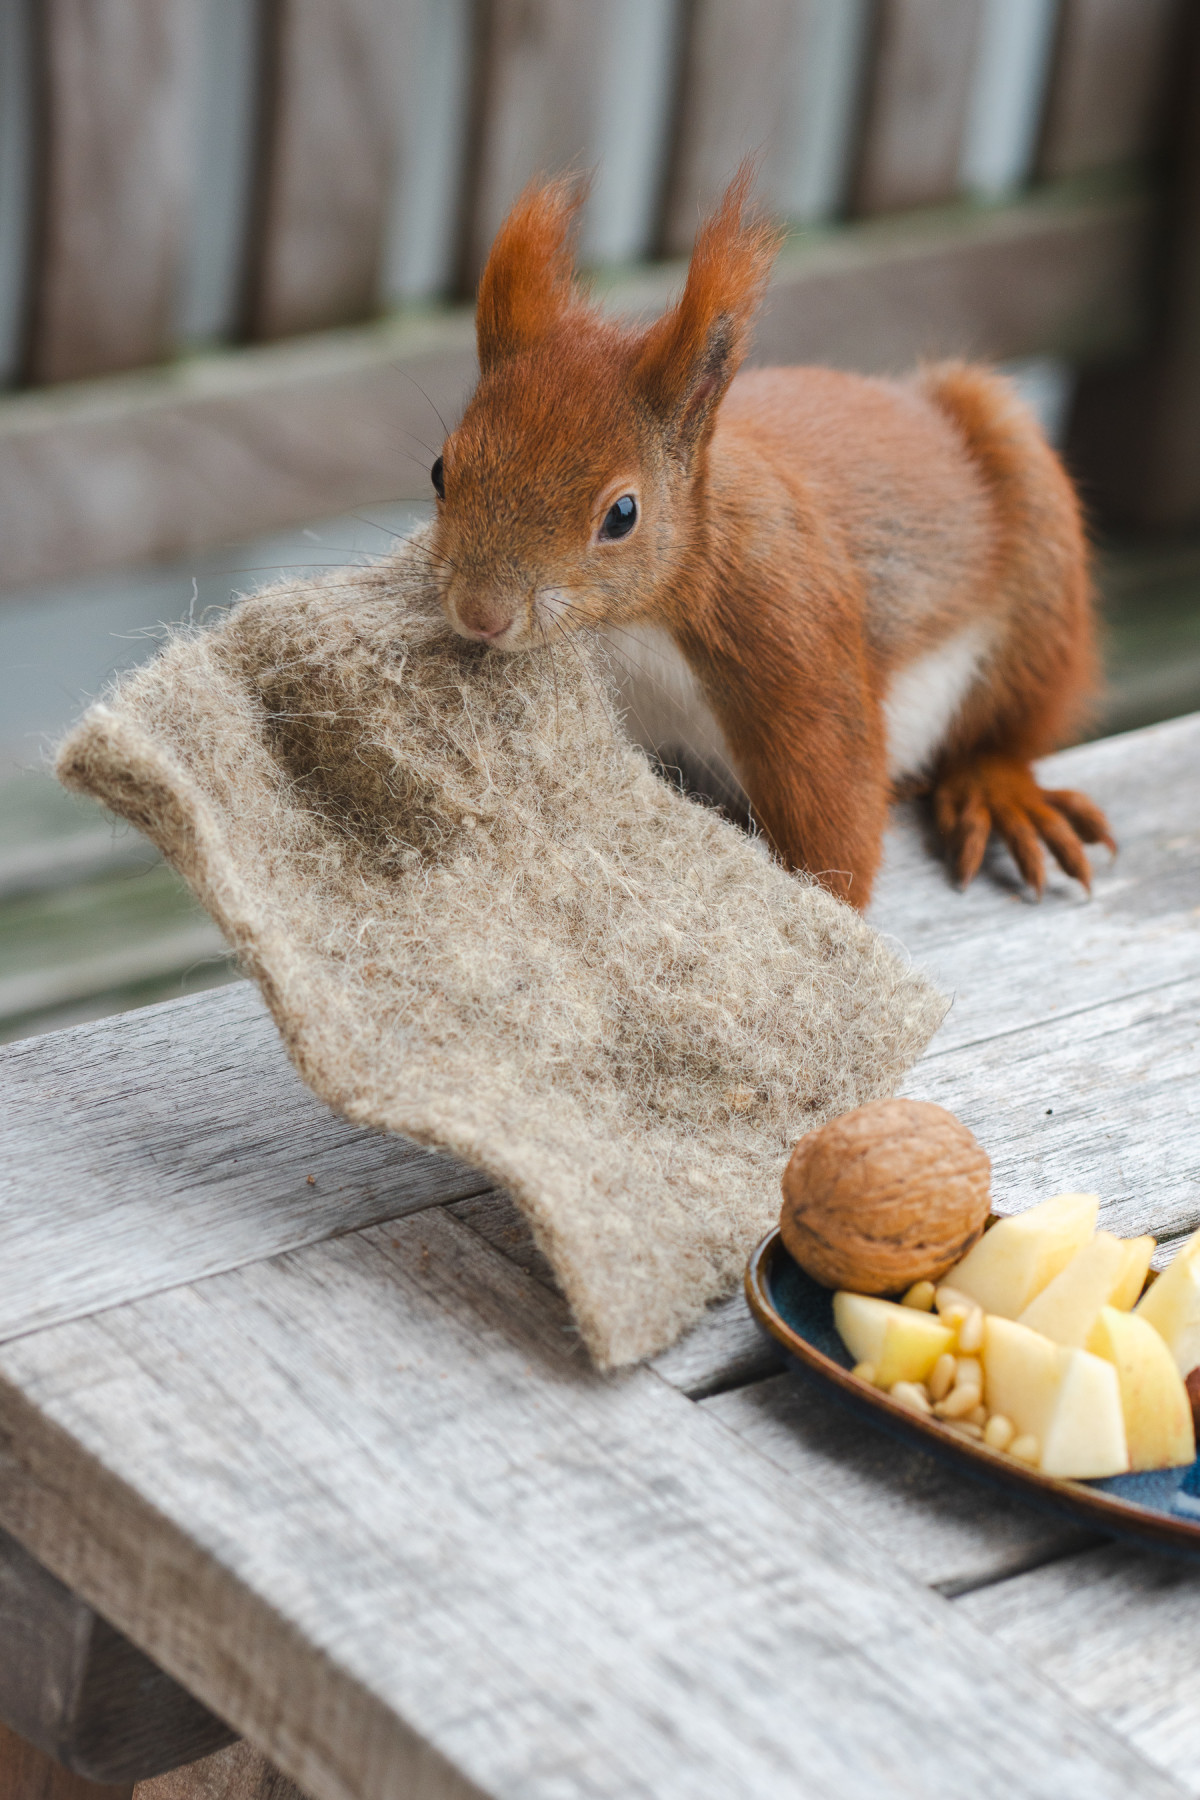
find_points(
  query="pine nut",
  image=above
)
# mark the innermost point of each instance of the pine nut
(958, 1404)
(970, 1333)
(941, 1377)
(952, 1296)
(999, 1432)
(909, 1395)
(865, 1372)
(920, 1295)
(968, 1372)
(978, 1417)
(965, 1427)
(1026, 1449)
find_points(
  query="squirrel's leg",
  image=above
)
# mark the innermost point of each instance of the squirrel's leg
(823, 808)
(988, 784)
(805, 732)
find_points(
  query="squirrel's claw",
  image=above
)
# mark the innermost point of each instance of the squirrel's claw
(1088, 821)
(996, 793)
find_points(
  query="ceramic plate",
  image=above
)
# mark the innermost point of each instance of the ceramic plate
(1161, 1508)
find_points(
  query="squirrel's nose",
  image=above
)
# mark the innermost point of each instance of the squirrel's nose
(487, 633)
(483, 616)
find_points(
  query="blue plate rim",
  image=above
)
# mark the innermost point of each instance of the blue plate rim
(1108, 1513)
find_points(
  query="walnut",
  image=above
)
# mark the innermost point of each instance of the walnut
(890, 1194)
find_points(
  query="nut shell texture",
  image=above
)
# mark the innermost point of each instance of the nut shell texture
(892, 1193)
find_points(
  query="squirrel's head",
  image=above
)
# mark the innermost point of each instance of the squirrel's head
(568, 494)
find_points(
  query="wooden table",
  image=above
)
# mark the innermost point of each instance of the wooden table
(296, 1409)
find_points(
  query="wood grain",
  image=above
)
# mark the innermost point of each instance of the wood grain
(959, 284)
(1030, 1020)
(228, 446)
(79, 1692)
(536, 108)
(915, 112)
(239, 1773)
(725, 1350)
(1104, 1100)
(29, 1774)
(194, 1100)
(1104, 104)
(174, 1142)
(1010, 962)
(113, 129)
(366, 1502)
(333, 92)
(741, 62)
(1132, 440)
(931, 1521)
(1116, 1630)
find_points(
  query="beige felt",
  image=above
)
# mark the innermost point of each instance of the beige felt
(480, 919)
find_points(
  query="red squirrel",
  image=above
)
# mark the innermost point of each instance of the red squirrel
(874, 586)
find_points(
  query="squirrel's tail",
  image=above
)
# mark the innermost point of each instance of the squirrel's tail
(1039, 562)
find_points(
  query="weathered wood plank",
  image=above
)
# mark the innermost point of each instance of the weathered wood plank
(1116, 1630)
(1133, 439)
(535, 107)
(743, 60)
(174, 1142)
(1000, 140)
(1037, 981)
(1104, 1100)
(174, 952)
(366, 1502)
(919, 88)
(17, 161)
(239, 1773)
(27, 1773)
(935, 1524)
(113, 183)
(79, 1692)
(332, 94)
(1010, 962)
(725, 1350)
(1107, 85)
(196, 1100)
(224, 447)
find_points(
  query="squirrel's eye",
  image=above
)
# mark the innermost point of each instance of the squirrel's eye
(620, 518)
(438, 479)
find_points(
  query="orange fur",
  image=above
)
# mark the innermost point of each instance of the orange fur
(817, 545)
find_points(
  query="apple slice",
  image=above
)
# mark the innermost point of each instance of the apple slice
(1067, 1307)
(900, 1343)
(1068, 1399)
(1138, 1252)
(1154, 1401)
(1019, 1256)
(1172, 1305)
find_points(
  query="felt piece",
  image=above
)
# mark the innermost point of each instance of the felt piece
(479, 918)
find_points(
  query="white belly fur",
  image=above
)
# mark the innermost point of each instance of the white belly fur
(665, 710)
(925, 697)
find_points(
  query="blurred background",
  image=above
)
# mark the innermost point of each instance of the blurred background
(239, 240)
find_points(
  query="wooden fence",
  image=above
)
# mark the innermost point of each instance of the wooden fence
(228, 228)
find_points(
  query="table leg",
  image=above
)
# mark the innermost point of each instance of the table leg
(28, 1774)
(236, 1773)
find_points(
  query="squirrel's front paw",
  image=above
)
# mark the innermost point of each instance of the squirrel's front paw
(995, 793)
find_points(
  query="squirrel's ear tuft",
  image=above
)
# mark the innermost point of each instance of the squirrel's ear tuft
(688, 357)
(528, 281)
